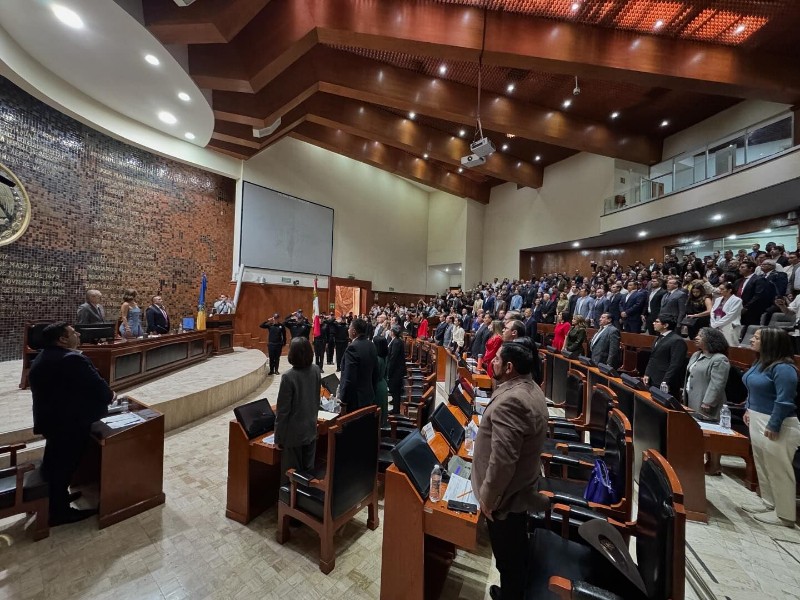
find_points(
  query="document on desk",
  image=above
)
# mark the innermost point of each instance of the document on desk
(460, 489)
(122, 420)
(324, 415)
(270, 439)
(716, 428)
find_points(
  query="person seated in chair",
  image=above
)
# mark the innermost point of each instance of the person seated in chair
(68, 396)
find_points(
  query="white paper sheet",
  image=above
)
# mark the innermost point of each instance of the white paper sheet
(122, 420)
(460, 489)
(325, 415)
(428, 432)
(715, 428)
(270, 439)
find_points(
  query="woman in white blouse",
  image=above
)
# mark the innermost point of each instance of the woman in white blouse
(458, 336)
(725, 313)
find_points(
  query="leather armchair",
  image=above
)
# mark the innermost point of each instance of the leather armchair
(340, 487)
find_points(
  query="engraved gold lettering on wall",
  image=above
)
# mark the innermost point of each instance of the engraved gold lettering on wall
(105, 215)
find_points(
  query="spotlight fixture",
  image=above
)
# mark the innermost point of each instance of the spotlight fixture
(184, 96)
(152, 60)
(537, 158)
(462, 133)
(614, 115)
(577, 89)
(567, 103)
(658, 25)
(716, 217)
(732, 236)
(442, 69)
(576, 244)
(425, 156)
(412, 115)
(740, 29)
(504, 148)
(510, 87)
(664, 123)
(642, 234)
(768, 230)
(67, 16)
(460, 169)
(167, 117)
(575, 6)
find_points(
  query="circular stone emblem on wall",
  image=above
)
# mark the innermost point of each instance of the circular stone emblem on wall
(15, 207)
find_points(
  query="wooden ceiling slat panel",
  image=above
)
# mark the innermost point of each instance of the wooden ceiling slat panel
(201, 22)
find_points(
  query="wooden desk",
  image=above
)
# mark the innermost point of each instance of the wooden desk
(124, 363)
(733, 444)
(254, 471)
(128, 466)
(419, 540)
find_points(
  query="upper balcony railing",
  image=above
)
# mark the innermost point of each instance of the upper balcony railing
(716, 159)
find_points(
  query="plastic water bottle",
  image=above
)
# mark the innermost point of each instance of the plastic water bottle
(468, 441)
(725, 417)
(436, 484)
(664, 387)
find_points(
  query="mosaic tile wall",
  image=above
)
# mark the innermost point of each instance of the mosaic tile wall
(106, 215)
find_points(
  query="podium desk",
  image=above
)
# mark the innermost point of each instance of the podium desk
(219, 333)
(419, 540)
(127, 464)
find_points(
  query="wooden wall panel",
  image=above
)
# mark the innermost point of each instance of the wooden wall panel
(400, 297)
(569, 260)
(258, 302)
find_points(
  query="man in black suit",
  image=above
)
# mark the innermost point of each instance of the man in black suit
(359, 369)
(396, 368)
(481, 336)
(157, 317)
(91, 311)
(549, 304)
(599, 307)
(340, 339)
(614, 304)
(757, 295)
(673, 303)
(604, 346)
(530, 324)
(68, 396)
(654, 298)
(667, 358)
(633, 307)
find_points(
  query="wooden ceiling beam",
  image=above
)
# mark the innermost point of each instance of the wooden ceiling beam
(199, 23)
(344, 74)
(392, 160)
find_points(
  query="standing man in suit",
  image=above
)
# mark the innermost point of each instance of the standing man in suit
(614, 304)
(599, 306)
(505, 468)
(481, 337)
(584, 304)
(380, 327)
(276, 340)
(396, 368)
(549, 303)
(341, 336)
(91, 311)
(530, 324)
(330, 345)
(157, 317)
(604, 346)
(68, 396)
(654, 298)
(633, 307)
(757, 295)
(667, 358)
(673, 303)
(359, 369)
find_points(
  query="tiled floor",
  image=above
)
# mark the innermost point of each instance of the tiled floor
(188, 549)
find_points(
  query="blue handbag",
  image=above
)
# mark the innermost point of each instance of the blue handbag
(600, 489)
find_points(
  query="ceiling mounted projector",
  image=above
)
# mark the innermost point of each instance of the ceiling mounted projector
(482, 147)
(472, 160)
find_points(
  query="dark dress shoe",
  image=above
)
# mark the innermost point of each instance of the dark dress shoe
(72, 515)
(495, 593)
(74, 496)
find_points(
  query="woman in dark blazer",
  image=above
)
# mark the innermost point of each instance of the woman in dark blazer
(576, 336)
(298, 404)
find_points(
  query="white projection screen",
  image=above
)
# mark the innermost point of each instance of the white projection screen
(285, 233)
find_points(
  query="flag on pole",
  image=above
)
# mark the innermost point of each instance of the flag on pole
(317, 326)
(201, 304)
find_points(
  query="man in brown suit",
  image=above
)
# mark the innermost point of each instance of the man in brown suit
(505, 467)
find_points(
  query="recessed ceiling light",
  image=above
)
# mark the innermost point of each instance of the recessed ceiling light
(511, 136)
(615, 114)
(642, 233)
(575, 6)
(510, 87)
(664, 123)
(412, 115)
(567, 103)
(537, 158)
(425, 156)
(67, 16)
(189, 135)
(740, 29)
(768, 230)
(462, 133)
(460, 169)
(446, 270)
(717, 217)
(459, 268)
(732, 236)
(442, 69)
(167, 117)
(576, 244)
(152, 60)
(504, 147)
(184, 96)
(658, 24)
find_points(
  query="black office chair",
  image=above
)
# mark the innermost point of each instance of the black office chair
(600, 564)
(566, 428)
(338, 488)
(602, 401)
